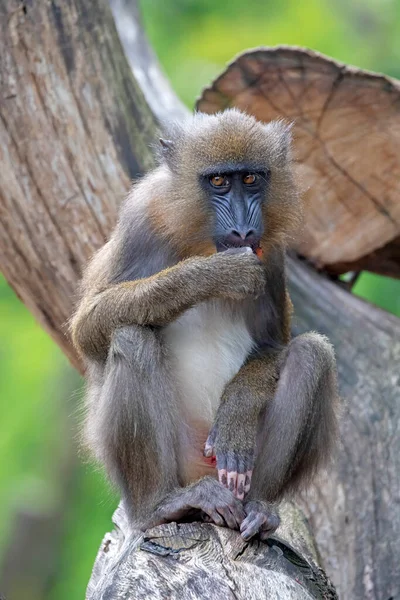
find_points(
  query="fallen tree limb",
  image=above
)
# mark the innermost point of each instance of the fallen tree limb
(74, 130)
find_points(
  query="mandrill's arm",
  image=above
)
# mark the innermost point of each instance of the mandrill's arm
(277, 422)
(234, 434)
(233, 438)
(161, 298)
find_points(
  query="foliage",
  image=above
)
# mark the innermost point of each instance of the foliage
(28, 368)
(194, 40)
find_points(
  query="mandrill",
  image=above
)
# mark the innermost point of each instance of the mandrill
(184, 325)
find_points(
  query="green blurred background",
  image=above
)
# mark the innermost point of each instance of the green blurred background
(43, 481)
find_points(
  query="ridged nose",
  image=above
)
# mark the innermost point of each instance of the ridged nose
(241, 237)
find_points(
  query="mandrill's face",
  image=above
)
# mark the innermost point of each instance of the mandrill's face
(236, 196)
(231, 184)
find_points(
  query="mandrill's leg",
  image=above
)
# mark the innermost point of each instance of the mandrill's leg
(299, 428)
(134, 424)
(138, 430)
(295, 429)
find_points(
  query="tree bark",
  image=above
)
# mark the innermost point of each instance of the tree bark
(354, 507)
(75, 127)
(74, 130)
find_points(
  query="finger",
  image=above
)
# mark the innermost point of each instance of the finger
(231, 462)
(248, 533)
(253, 519)
(242, 465)
(222, 477)
(249, 518)
(215, 517)
(240, 486)
(264, 534)
(232, 482)
(237, 511)
(209, 445)
(247, 482)
(208, 450)
(228, 517)
(221, 461)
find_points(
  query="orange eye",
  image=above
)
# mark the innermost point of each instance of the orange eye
(218, 180)
(249, 178)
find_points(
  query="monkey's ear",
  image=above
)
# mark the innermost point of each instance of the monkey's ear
(167, 152)
(281, 134)
(166, 144)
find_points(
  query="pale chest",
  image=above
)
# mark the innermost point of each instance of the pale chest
(209, 343)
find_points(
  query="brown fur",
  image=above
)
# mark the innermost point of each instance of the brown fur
(161, 261)
(182, 216)
(159, 299)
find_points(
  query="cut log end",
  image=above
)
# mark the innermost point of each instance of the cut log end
(347, 149)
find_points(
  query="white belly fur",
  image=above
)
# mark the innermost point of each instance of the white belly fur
(209, 344)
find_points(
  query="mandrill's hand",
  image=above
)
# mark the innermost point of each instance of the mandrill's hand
(237, 272)
(215, 503)
(232, 441)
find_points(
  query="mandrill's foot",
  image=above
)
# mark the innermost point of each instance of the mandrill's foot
(260, 520)
(208, 497)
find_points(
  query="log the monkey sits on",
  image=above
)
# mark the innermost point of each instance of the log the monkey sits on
(184, 324)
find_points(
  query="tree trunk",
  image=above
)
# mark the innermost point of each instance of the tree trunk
(74, 130)
(75, 127)
(354, 508)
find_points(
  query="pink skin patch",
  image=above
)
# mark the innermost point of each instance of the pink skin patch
(210, 460)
